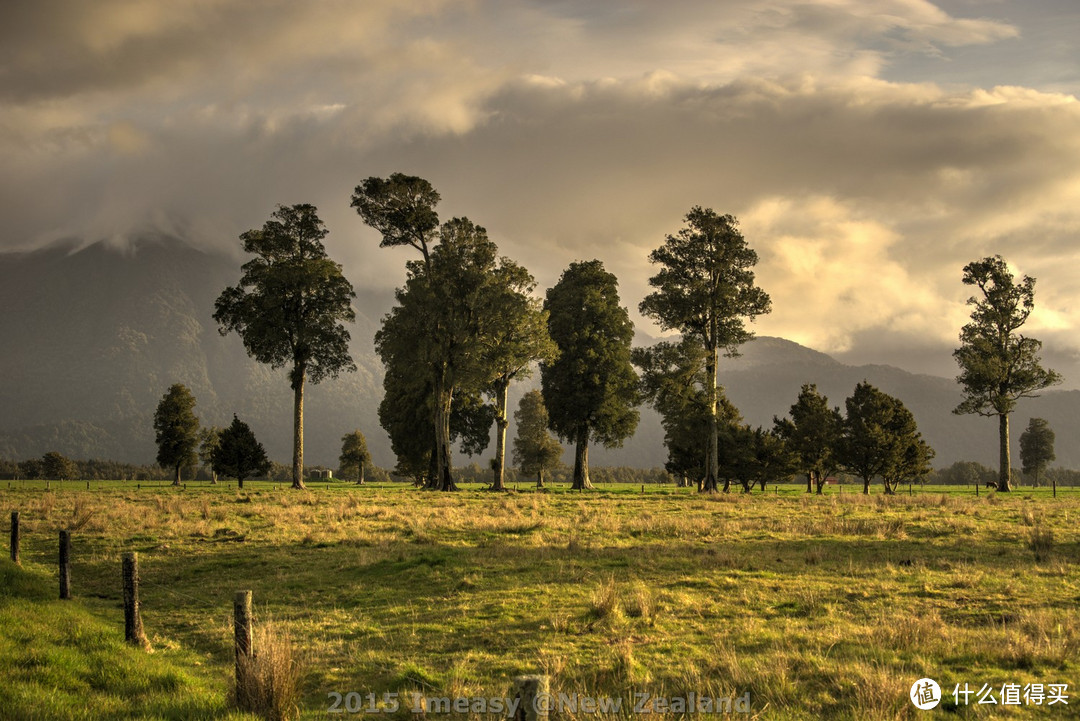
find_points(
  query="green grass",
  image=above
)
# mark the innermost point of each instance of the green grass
(61, 661)
(820, 607)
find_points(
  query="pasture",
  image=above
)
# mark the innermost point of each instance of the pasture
(817, 606)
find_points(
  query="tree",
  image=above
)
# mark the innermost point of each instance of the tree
(30, 469)
(674, 382)
(535, 449)
(754, 455)
(1037, 448)
(239, 454)
(354, 456)
(813, 435)
(444, 322)
(176, 430)
(881, 440)
(209, 438)
(57, 467)
(998, 366)
(705, 289)
(405, 414)
(590, 390)
(518, 337)
(402, 209)
(290, 306)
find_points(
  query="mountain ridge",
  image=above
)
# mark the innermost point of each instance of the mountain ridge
(95, 335)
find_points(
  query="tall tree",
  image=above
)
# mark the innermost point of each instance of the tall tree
(406, 416)
(290, 306)
(1037, 448)
(443, 321)
(176, 430)
(354, 456)
(998, 365)
(239, 454)
(209, 438)
(535, 449)
(674, 382)
(590, 390)
(813, 435)
(705, 289)
(517, 337)
(881, 440)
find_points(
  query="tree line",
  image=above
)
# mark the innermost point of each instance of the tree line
(466, 324)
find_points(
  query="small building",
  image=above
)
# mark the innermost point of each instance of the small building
(321, 473)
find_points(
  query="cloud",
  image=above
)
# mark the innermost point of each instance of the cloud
(571, 130)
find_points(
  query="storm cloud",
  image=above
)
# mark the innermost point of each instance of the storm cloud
(867, 157)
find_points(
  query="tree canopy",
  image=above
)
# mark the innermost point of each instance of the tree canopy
(290, 306)
(176, 430)
(998, 365)
(401, 208)
(705, 289)
(451, 324)
(590, 390)
(57, 467)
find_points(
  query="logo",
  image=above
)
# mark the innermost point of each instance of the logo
(925, 694)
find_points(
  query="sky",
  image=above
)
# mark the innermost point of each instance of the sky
(869, 148)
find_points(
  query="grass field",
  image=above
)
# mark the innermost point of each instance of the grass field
(818, 607)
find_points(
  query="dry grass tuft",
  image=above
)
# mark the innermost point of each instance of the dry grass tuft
(606, 603)
(268, 683)
(1041, 542)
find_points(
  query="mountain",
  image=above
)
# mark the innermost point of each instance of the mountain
(94, 336)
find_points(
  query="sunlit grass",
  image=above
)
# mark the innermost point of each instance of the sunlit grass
(820, 607)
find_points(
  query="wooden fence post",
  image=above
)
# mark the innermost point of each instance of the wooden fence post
(242, 639)
(533, 693)
(65, 567)
(15, 537)
(133, 628)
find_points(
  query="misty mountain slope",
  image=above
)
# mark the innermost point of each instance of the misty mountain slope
(93, 338)
(96, 336)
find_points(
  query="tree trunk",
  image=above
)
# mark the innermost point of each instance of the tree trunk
(501, 423)
(176, 477)
(712, 460)
(360, 476)
(819, 481)
(431, 482)
(1004, 471)
(444, 479)
(540, 478)
(299, 375)
(213, 478)
(809, 481)
(866, 486)
(581, 463)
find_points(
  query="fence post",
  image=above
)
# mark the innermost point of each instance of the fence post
(533, 694)
(133, 628)
(15, 537)
(242, 638)
(65, 567)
